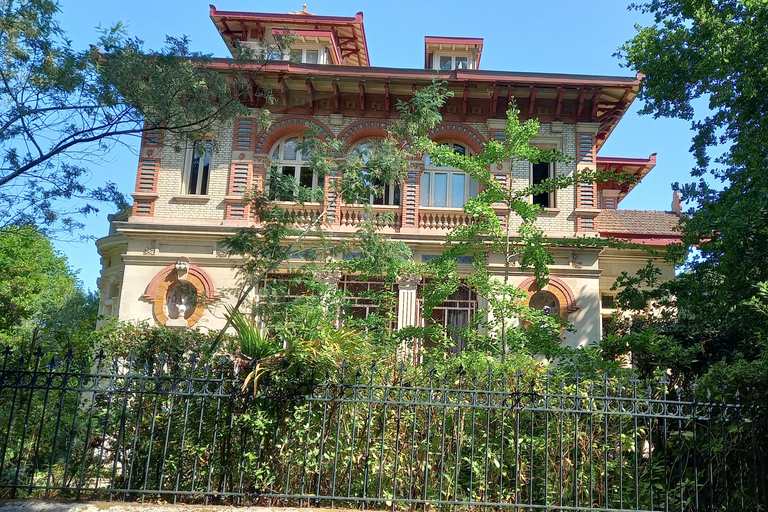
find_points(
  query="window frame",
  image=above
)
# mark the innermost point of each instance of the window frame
(470, 305)
(321, 53)
(355, 303)
(298, 164)
(389, 192)
(453, 56)
(201, 186)
(551, 173)
(432, 170)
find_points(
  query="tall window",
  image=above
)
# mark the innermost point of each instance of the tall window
(454, 314)
(385, 194)
(540, 172)
(197, 166)
(293, 162)
(447, 187)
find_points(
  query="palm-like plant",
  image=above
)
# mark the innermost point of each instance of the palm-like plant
(255, 345)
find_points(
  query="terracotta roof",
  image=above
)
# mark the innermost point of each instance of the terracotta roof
(645, 222)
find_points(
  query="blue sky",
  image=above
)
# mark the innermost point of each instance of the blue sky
(557, 36)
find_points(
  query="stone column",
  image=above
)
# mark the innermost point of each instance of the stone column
(407, 314)
(330, 278)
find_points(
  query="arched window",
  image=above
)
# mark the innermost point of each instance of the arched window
(447, 187)
(385, 194)
(293, 162)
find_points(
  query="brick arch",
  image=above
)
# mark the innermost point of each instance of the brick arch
(286, 126)
(370, 129)
(157, 291)
(556, 287)
(460, 133)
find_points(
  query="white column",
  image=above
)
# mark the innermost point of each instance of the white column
(407, 314)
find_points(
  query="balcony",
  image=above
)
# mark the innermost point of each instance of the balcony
(442, 219)
(353, 215)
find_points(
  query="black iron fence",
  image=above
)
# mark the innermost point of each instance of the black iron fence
(404, 439)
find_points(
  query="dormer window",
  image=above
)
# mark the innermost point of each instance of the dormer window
(449, 53)
(306, 56)
(448, 62)
(310, 55)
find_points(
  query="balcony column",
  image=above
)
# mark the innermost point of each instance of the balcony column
(411, 195)
(330, 279)
(408, 314)
(332, 199)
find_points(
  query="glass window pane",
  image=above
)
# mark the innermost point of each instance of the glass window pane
(365, 150)
(289, 152)
(274, 55)
(305, 178)
(396, 196)
(276, 153)
(289, 170)
(194, 172)
(441, 189)
(461, 63)
(295, 55)
(540, 172)
(311, 56)
(306, 154)
(206, 168)
(446, 62)
(473, 188)
(425, 189)
(458, 148)
(458, 181)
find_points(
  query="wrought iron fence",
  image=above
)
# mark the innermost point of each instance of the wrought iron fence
(409, 438)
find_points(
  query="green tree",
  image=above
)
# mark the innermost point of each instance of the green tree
(40, 298)
(60, 106)
(700, 52)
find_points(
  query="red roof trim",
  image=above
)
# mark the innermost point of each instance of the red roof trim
(610, 160)
(299, 19)
(477, 41)
(325, 34)
(310, 19)
(644, 239)
(428, 74)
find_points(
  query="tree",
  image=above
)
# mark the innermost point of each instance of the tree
(40, 297)
(700, 51)
(61, 108)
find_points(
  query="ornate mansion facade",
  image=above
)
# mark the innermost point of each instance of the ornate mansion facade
(186, 201)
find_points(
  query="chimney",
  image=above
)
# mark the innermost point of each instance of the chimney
(676, 204)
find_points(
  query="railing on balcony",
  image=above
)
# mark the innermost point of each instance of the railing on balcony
(390, 217)
(443, 218)
(353, 215)
(306, 213)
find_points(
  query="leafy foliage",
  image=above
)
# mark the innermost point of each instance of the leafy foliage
(41, 303)
(701, 52)
(61, 108)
